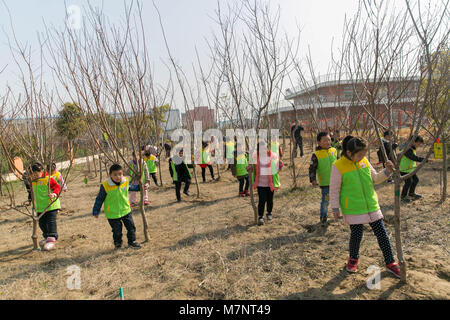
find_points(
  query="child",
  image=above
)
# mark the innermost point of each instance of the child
(335, 142)
(387, 138)
(45, 204)
(135, 180)
(352, 189)
(180, 173)
(229, 152)
(114, 193)
(205, 161)
(58, 177)
(150, 159)
(265, 178)
(241, 172)
(321, 162)
(408, 164)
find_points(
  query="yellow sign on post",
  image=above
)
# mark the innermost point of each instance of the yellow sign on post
(438, 151)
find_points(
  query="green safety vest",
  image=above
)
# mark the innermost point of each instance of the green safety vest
(241, 165)
(40, 193)
(132, 173)
(275, 177)
(274, 147)
(406, 164)
(336, 146)
(230, 149)
(151, 164)
(205, 157)
(174, 171)
(325, 159)
(357, 195)
(116, 204)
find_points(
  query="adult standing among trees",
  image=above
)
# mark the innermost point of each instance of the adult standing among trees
(296, 134)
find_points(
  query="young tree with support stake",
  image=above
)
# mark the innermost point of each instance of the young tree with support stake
(376, 52)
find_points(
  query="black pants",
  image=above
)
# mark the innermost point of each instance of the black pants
(47, 223)
(298, 143)
(116, 225)
(410, 185)
(356, 234)
(211, 170)
(242, 180)
(187, 183)
(264, 195)
(154, 178)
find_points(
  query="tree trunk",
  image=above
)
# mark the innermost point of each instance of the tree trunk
(100, 167)
(252, 195)
(88, 162)
(95, 163)
(444, 172)
(142, 210)
(34, 236)
(398, 240)
(294, 175)
(196, 181)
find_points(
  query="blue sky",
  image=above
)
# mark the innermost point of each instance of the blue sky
(187, 23)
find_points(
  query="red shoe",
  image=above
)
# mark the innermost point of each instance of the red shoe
(247, 193)
(394, 268)
(241, 194)
(146, 203)
(352, 265)
(133, 204)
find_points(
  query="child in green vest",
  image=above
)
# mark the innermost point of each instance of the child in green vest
(135, 180)
(180, 173)
(265, 179)
(58, 177)
(114, 195)
(240, 172)
(46, 203)
(320, 165)
(408, 164)
(352, 190)
(151, 160)
(205, 161)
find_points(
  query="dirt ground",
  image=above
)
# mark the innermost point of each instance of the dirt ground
(210, 248)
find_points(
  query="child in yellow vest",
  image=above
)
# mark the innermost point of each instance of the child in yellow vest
(240, 172)
(407, 165)
(320, 165)
(352, 190)
(58, 177)
(45, 189)
(265, 178)
(114, 195)
(151, 160)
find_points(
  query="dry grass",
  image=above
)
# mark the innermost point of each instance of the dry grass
(209, 248)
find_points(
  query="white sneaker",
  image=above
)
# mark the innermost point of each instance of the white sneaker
(50, 244)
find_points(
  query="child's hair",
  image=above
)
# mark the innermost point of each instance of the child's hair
(419, 139)
(387, 133)
(321, 134)
(37, 167)
(115, 167)
(204, 144)
(353, 144)
(147, 153)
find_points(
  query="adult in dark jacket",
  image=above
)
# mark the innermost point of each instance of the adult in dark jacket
(296, 133)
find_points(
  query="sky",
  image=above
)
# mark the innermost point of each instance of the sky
(186, 23)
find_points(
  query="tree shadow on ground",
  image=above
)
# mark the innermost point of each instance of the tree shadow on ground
(17, 253)
(55, 264)
(277, 242)
(221, 234)
(326, 291)
(205, 203)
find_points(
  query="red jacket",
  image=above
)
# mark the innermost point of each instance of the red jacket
(54, 186)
